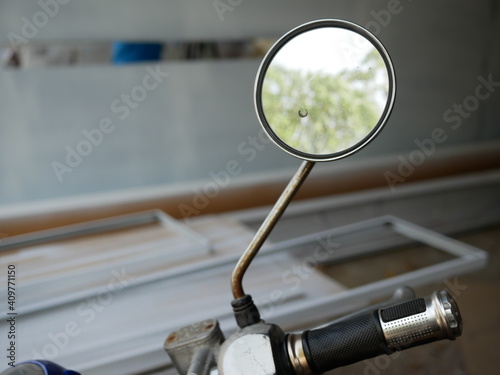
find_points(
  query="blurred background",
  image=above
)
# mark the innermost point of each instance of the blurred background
(85, 122)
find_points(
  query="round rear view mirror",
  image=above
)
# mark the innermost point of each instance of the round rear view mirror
(325, 90)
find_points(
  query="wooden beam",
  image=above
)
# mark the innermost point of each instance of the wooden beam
(337, 178)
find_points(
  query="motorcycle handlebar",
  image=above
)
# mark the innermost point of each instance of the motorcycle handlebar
(379, 331)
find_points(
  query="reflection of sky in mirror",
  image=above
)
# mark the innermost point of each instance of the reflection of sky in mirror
(326, 49)
(330, 50)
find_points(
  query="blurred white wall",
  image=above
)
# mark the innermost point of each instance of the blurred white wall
(199, 116)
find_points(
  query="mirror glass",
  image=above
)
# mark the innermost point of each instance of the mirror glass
(324, 90)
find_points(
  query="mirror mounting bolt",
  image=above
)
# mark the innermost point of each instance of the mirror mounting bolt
(245, 311)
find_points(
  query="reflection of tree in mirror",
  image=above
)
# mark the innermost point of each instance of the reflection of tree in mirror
(341, 109)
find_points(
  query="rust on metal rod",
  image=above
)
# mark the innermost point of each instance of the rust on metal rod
(266, 227)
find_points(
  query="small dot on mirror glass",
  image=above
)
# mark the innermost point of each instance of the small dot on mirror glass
(303, 112)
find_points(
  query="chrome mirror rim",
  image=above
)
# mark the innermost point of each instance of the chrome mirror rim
(268, 58)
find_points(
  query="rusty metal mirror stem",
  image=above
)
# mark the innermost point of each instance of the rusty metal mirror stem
(266, 228)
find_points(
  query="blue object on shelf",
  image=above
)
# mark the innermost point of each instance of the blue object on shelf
(135, 52)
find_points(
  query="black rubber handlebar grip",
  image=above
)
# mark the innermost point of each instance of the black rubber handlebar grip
(382, 331)
(343, 343)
